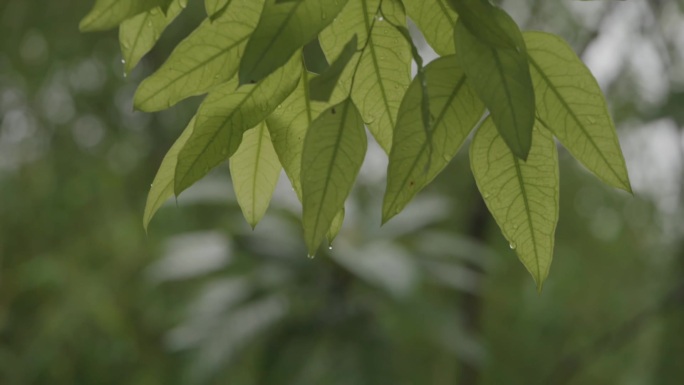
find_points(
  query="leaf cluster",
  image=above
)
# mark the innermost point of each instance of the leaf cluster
(292, 84)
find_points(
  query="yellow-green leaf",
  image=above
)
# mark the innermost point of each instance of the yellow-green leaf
(208, 57)
(384, 71)
(161, 188)
(225, 115)
(417, 156)
(336, 226)
(107, 14)
(435, 19)
(322, 86)
(140, 33)
(283, 29)
(501, 78)
(571, 104)
(255, 169)
(334, 150)
(289, 123)
(521, 195)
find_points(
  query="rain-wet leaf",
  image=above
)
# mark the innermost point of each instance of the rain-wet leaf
(161, 188)
(334, 150)
(417, 156)
(140, 33)
(107, 14)
(434, 17)
(571, 105)
(521, 195)
(225, 115)
(501, 78)
(208, 57)
(283, 29)
(254, 169)
(382, 69)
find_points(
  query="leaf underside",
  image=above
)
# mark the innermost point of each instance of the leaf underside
(334, 149)
(521, 195)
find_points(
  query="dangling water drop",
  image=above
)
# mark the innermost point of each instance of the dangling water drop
(330, 247)
(512, 245)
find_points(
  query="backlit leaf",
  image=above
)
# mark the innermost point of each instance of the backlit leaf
(487, 23)
(501, 78)
(225, 115)
(322, 86)
(416, 157)
(284, 27)
(435, 19)
(254, 169)
(161, 188)
(209, 56)
(107, 14)
(521, 195)
(140, 33)
(383, 68)
(289, 123)
(336, 226)
(334, 150)
(571, 105)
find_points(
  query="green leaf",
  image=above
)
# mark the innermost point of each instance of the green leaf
(161, 188)
(215, 7)
(336, 226)
(225, 115)
(571, 105)
(487, 22)
(417, 156)
(322, 86)
(521, 195)
(255, 169)
(140, 33)
(434, 19)
(208, 57)
(501, 78)
(107, 14)
(334, 150)
(382, 70)
(284, 27)
(289, 123)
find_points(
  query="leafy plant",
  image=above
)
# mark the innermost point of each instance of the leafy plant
(274, 102)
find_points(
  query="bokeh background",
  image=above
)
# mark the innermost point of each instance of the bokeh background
(433, 297)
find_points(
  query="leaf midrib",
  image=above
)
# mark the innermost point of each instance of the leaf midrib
(330, 169)
(574, 117)
(193, 69)
(437, 121)
(528, 213)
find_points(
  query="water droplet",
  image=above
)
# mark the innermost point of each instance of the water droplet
(512, 245)
(330, 247)
(310, 256)
(380, 18)
(486, 194)
(123, 61)
(125, 74)
(279, 106)
(151, 184)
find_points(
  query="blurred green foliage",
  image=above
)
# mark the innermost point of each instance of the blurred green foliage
(87, 298)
